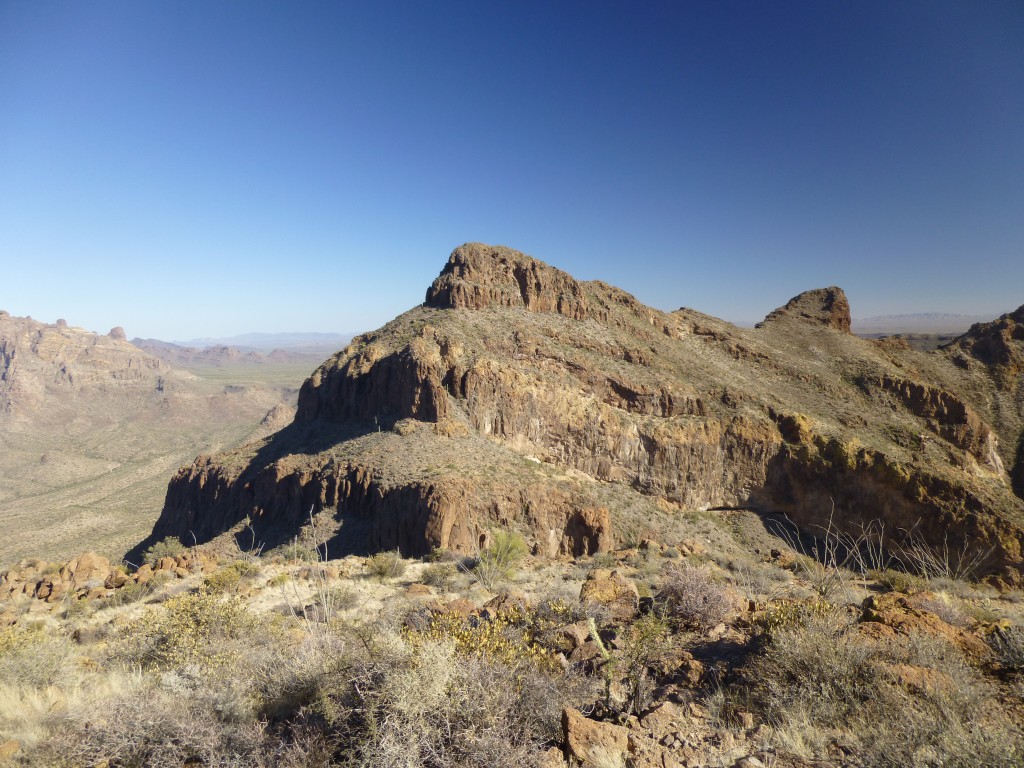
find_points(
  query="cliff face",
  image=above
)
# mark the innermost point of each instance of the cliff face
(90, 426)
(46, 368)
(519, 396)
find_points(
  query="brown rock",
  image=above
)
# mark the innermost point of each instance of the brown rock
(507, 602)
(585, 652)
(86, 567)
(116, 579)
(827, 306)
(460, 607)
(592, 743)
(611, 592)
(144, 573)
(571, 636)
(418, 590)
(646, 753)
(665, 718)
(478, 276)
(552, 758)
(166, 564)
(897, 614)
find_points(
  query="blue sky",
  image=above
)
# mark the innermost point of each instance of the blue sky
(194, 169)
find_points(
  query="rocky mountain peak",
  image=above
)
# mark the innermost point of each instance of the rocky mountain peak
(478, 276)
(999, 345)
(442, 424)
(826, 306)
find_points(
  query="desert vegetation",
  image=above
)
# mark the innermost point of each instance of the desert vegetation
(651, 655)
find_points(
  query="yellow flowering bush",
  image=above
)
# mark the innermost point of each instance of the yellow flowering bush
(509, 637)
(190, 629)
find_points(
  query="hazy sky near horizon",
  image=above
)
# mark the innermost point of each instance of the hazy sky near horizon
(189, 169)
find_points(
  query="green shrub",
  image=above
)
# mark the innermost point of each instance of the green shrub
(386, 565)
(500, 561)
(441, 576)
(300, 552)
(169, 547)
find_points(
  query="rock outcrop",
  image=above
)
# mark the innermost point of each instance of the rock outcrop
(517, 395)
(90, 427)
(827, 306)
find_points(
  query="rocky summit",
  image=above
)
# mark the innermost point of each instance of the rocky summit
(517, 396)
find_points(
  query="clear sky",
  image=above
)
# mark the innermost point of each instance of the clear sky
(207, 168)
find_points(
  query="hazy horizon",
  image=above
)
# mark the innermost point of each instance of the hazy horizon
(192, 169)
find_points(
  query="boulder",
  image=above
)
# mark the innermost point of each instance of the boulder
(612, 593)
(570, 637)
(592, 743)
(85, 568)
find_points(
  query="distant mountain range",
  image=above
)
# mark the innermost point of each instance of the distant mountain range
(268, 342)
(920, 322)
(247, 349)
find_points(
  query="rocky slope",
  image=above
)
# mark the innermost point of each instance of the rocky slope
(517, 395)
(90, 426)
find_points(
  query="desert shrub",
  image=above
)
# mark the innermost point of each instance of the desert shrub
(509, 637)
(644, 644)
(231, 577)
(813, 666)
(556, 612)
(440, 575)
(442, 555)
(32, 657)
(914, 701)
(386, 565)
(169, 547)
(223, 580)
(792, 615)
(77, 609)
(430, 705)
(279, 579)
(1008, 646)
(690, 597)
(247, 568)
(193, 628)
(331, 600)
(602, 560)
(943, 608)
(148, 725)
(898, 581)
(298, 551)
(500, 561)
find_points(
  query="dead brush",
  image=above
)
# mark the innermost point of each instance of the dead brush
(690, 597)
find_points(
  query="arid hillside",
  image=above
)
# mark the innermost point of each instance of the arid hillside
(517, 396)
(90, 429)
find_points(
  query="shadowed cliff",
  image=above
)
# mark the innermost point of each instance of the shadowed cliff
(519, 396)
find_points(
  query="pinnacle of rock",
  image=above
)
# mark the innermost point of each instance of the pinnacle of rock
(826, 306)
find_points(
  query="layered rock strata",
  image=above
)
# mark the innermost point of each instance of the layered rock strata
(519, 396)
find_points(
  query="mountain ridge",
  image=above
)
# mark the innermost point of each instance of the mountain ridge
(517, 396)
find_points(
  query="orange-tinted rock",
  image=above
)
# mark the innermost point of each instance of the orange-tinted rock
(612, 593)
(897, 614)
(593, 743)
(85, 568)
